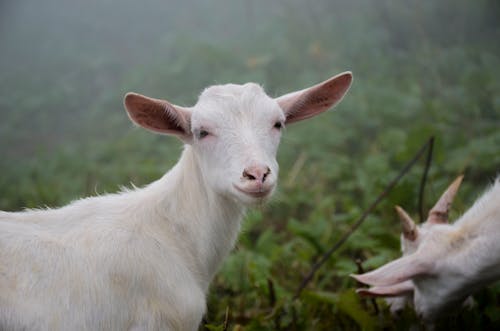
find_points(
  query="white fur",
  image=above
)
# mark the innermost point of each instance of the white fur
(143, 259)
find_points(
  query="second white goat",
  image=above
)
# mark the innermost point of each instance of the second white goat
(451, 261)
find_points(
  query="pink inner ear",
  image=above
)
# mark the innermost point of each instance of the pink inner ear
(315, 100)
(157, 115)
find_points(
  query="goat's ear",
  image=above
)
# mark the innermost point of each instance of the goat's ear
(410, 230)
(388, 291)
(159, 116)
(395, 272)
(439, 213)
(314, 100)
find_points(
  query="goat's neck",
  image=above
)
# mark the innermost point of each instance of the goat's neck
(476, 232)
(203, 223)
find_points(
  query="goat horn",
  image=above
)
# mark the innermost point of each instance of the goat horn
(439, 213)
(410, 230)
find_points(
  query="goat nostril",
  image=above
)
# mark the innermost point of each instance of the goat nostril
(248, 175)
(268, 171)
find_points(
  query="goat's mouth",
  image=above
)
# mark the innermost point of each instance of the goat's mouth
(255, 193)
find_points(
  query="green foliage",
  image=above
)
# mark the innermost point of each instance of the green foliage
(421, 68)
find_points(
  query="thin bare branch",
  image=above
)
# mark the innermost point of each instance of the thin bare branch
(362, 218)
(423, 181)
(225, 326)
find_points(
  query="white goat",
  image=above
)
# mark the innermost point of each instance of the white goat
(143, 259)
(451, 261)
(411, 237)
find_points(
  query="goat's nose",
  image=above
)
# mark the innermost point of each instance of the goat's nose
(257, 173)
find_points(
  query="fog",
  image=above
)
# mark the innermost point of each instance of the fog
(61, 59)
(65, 65)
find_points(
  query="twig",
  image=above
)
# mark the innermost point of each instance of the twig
(294, 319)
(424, 180)
(297, 166)
(225, 326)
(353, 228)
(272, 293)
(272, 303)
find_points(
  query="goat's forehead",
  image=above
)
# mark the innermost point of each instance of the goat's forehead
(234, 101)
(232, 89)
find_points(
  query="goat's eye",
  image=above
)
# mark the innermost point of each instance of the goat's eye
(278, 125)
(202, 134)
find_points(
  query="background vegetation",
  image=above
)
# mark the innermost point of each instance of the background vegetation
(421, 68)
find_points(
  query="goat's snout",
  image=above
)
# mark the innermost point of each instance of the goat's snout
(256, 173)
(256, 182)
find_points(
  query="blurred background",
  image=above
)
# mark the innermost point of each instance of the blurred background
(421, 68)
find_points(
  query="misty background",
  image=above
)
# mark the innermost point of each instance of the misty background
(420, 68)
